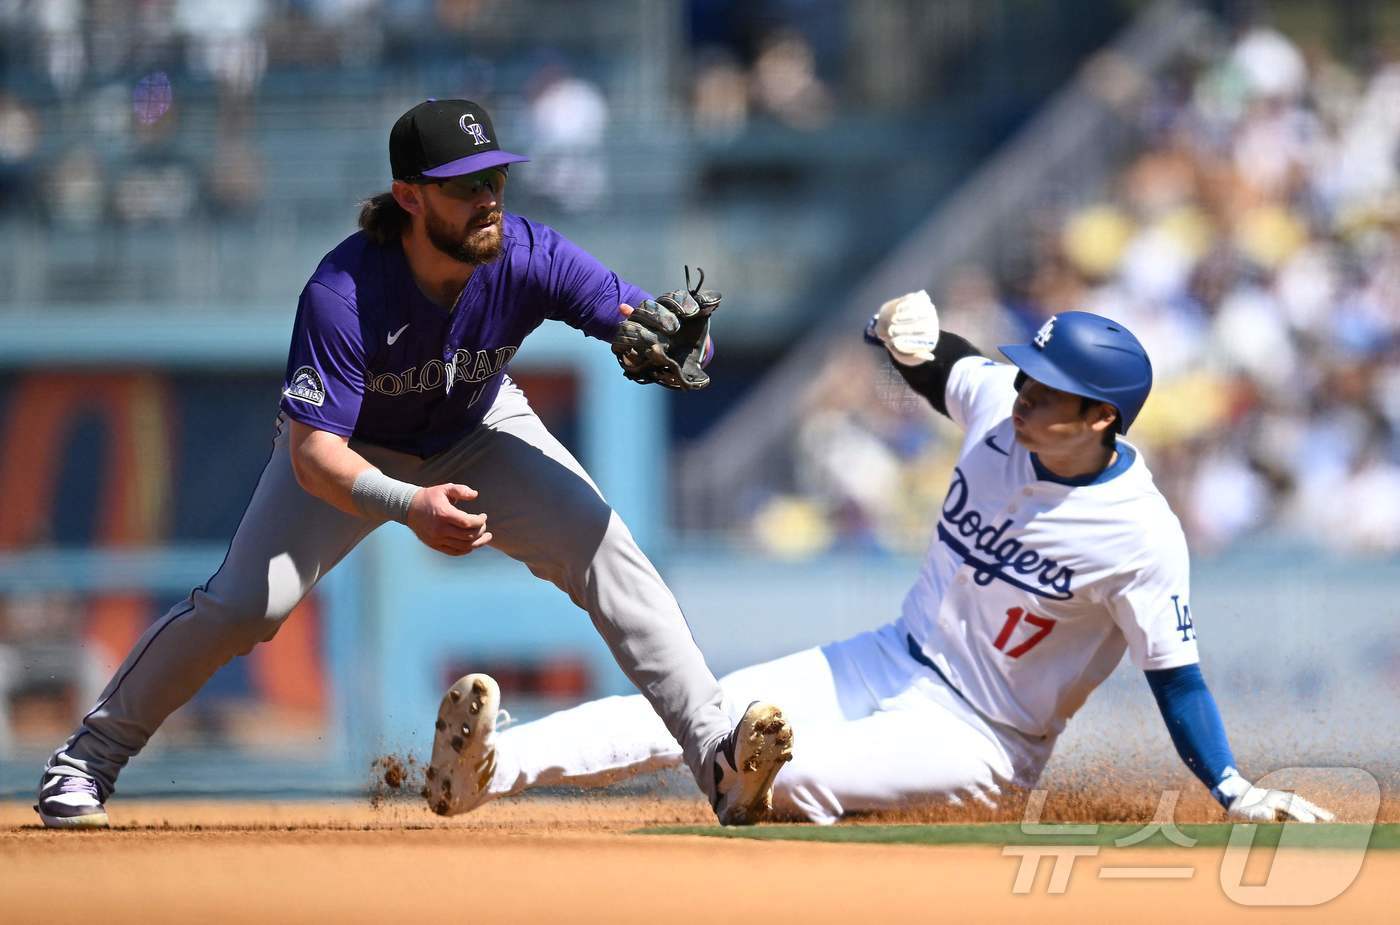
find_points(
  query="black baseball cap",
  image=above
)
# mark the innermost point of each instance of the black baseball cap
(445, 138)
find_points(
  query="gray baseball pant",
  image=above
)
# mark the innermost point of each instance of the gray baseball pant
(541, 508)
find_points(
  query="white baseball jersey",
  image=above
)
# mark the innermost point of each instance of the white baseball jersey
(1033, 588)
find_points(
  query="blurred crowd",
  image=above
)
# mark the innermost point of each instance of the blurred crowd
(142, 112)
(76, 43)
(763, 59)
(1252, 240)
(1253, 244)
(128, 77)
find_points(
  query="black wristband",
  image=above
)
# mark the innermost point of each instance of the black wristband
(931, 379)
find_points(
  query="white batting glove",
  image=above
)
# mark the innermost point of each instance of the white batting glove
(908, 327)
(1248, 803)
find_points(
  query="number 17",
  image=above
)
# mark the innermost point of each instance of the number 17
(1014, 616)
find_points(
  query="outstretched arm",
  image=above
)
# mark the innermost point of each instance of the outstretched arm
(1198, 733)
(1194, 722)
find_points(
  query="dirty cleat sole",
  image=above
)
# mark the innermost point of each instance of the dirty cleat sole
(762, 745)
(464, 753)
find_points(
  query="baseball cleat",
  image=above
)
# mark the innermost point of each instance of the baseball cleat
(746, 762)
(67, 801)
(464, 745)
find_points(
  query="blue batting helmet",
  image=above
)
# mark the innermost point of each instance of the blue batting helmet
(1089, 355)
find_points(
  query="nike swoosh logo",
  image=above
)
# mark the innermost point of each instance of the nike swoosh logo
(991, 442)
(395, 336)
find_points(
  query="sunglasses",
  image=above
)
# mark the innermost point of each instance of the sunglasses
(469, 185)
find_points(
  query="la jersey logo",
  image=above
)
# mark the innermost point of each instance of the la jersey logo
(994, 556)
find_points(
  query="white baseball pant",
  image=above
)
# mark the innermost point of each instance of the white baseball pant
(875, 730)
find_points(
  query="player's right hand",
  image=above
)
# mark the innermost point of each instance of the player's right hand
(1259, 805)
(908, 327)
(435, 519)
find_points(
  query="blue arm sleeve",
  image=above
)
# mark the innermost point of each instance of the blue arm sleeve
(1194, 722)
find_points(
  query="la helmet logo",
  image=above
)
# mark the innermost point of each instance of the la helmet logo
(1042, 337)
(473, 128)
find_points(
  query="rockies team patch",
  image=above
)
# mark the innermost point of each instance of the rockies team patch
(306, 386)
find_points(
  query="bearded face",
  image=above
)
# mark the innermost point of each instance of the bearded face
(462, 214)
(475, 241)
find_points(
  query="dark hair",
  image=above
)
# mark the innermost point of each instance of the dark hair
(1110, 436)
(382, 218)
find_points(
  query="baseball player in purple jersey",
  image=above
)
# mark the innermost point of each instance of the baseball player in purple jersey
(397, 406)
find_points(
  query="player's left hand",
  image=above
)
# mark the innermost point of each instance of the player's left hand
(664, 339)
(1256, 804)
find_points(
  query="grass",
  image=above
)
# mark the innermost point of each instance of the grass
(1384, 836)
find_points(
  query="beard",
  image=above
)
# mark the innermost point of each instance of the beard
(465, 244)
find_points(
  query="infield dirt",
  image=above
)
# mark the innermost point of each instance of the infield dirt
(553, 859)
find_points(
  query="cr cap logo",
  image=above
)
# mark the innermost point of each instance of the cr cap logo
(473, 128)
(1042, 337)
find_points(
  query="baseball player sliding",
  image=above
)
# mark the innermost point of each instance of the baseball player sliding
(1053, 554)
(397, 406)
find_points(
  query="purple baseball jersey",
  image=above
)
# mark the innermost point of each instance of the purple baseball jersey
(372, 358)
